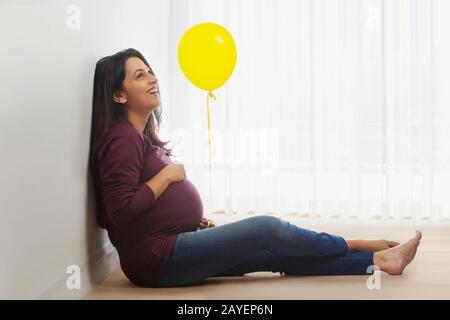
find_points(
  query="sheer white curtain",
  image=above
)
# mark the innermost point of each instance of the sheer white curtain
(336, 108)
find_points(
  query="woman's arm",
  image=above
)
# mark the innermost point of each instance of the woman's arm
(169, 174)
(121, 163)
(159, 183)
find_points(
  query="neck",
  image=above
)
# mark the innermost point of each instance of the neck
(138, 121)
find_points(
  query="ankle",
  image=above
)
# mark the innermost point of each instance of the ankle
(378, 259)
(353, 245)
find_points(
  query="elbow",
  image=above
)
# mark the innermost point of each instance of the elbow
(122, 216)
(130, 207)
(127, 214)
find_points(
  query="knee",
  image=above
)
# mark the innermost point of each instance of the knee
(269, 226)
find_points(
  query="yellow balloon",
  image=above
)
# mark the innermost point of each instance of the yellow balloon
(207, 55)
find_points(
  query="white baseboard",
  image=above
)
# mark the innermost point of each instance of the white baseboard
(93, 271)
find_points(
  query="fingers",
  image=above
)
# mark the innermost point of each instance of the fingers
(210, 223)
(207, 223)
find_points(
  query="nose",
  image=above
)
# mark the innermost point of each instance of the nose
(153, 80)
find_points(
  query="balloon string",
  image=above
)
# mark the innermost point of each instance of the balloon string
(209, 95)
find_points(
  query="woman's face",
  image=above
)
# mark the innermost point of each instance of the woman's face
(140, 90)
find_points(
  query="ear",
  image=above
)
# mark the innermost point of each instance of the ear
(119, 97)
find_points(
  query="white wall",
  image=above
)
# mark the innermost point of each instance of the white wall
(46, 197)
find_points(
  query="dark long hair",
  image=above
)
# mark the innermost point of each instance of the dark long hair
(108, 77)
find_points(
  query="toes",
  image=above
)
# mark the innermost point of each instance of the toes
(393, 243)
(418, 234)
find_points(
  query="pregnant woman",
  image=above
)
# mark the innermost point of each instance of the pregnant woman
(154, 215)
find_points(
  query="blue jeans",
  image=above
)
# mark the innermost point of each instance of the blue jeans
(260, 243)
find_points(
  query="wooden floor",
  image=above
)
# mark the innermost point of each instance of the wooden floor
(428, 277)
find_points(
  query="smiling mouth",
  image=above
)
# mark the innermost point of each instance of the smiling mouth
(152, 91)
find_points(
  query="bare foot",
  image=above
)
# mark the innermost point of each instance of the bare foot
(371, 245)
(395, 260)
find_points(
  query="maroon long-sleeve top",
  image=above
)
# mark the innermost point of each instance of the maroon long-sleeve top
(143, 229)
